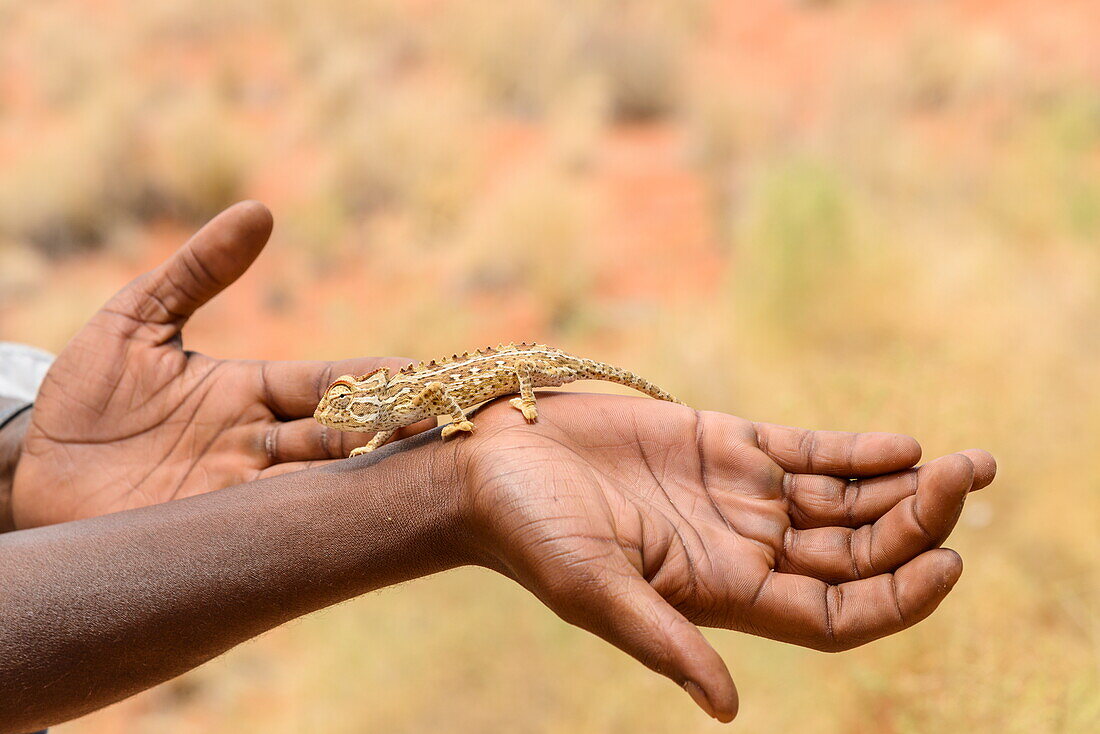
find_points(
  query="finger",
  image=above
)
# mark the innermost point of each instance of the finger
(835, 452)
(307, 440)
(985, 467)
(217, 255)
(819, 500)
(915, 524)
(808, 612)
(622, 608)
(292, 389)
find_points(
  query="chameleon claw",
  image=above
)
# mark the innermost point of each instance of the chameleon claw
(360, 451)
(452, 428)
(530, 413)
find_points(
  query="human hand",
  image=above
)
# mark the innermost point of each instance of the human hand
(637, 519)
(126, 417)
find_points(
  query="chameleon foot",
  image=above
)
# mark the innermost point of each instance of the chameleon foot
(527, 408)
(452, 428)
(377, 440)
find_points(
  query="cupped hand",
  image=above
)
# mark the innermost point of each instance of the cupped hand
(126, 417)
(638, 520)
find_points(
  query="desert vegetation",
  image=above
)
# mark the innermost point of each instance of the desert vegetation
(850, 215)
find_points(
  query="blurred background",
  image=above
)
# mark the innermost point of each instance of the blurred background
(848, 215)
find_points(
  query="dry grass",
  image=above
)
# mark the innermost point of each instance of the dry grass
(525, 56)
(905, 237)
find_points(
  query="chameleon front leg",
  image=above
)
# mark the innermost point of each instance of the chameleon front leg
(525, 403)
(436, 398)
(377, 440)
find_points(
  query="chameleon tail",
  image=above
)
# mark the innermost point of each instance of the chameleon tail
(593, 370)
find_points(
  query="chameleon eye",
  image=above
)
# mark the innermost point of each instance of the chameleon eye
(341, 387)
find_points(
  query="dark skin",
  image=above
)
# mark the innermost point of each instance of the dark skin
(127, 418)
(629, 517)
(11, 446)
(138, 597)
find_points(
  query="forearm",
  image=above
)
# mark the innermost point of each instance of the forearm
(96, 610)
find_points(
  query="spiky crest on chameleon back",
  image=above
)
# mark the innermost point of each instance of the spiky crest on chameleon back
(383, 403)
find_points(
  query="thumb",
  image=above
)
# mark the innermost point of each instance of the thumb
(627, 612)
(217, 255)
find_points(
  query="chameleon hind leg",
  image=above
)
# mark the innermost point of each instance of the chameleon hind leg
(440, 402)
(525, 376)
(525, 403)
(377, 440)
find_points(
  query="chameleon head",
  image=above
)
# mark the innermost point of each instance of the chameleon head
(355, 403)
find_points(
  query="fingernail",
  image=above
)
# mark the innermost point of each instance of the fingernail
(700, 698)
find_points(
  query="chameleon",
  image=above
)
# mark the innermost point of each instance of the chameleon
(384, 402)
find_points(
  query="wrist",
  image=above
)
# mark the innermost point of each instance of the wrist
(11, 448)
(417, 514)
(479, 507)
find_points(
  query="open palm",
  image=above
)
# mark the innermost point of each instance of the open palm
(637, 519)
(126, 417)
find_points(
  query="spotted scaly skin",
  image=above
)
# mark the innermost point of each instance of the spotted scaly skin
(382, 402)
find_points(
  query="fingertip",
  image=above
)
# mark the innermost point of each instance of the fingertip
(958, 461)
(253, 205)
(229, 243)
(908, 449)
(700, 698)
(254, 217)
(878, 453)
(726, 711)
(985, 467)
(953, 473)
(948, 565)
(924, 582)
(723, 696)
(720, 703)
(942, 564)
(705, 669)
(942, 488)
